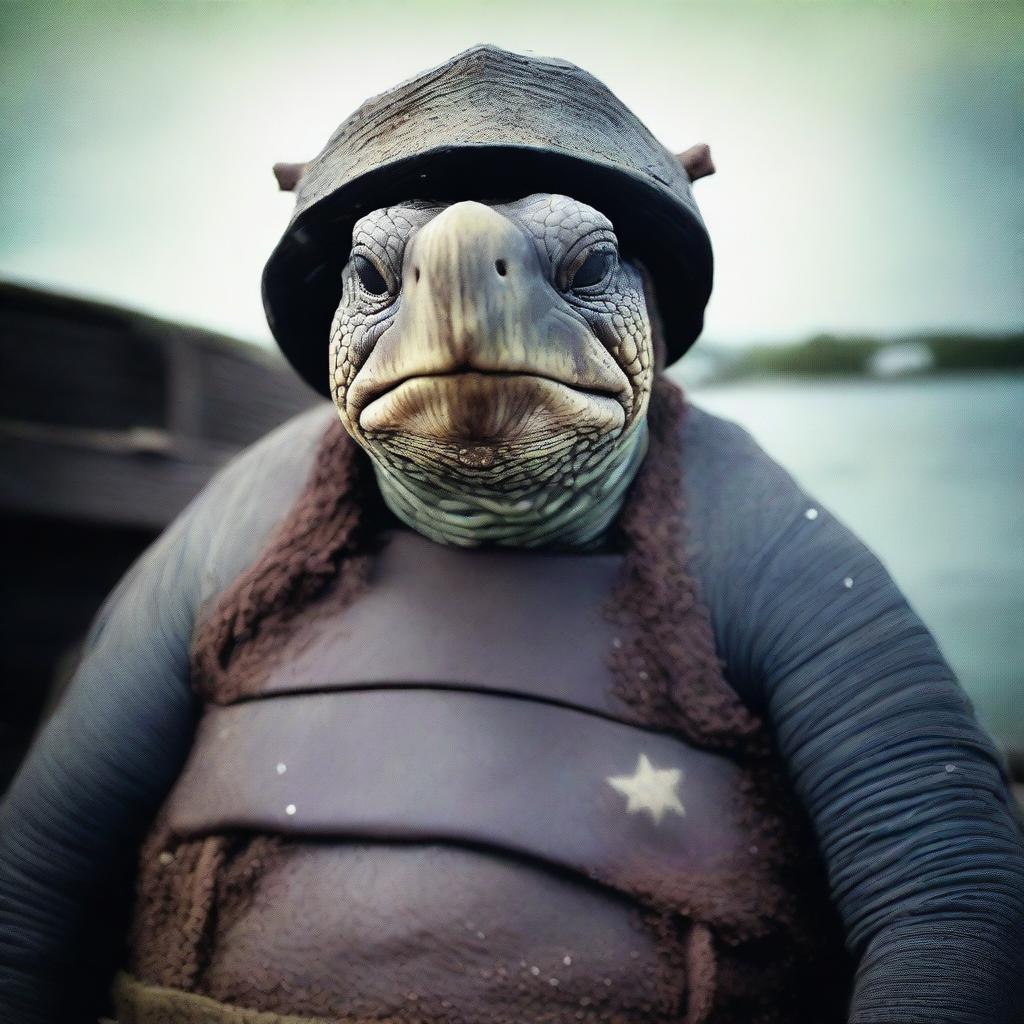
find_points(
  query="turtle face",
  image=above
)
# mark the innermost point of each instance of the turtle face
(490, 349)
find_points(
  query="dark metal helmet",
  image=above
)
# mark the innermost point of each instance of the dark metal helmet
(488, 124)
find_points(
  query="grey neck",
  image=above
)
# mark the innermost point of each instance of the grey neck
(576, 516)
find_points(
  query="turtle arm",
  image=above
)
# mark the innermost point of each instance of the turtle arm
(92, 781)
(97, 773)
(905, 791)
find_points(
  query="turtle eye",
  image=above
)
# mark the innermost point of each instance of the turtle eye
(369, 276)
(593, 270)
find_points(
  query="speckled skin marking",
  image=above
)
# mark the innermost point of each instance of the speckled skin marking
(498, 402)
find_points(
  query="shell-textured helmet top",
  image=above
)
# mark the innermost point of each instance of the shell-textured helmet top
(488, 124)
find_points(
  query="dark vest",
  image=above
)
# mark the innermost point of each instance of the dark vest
(451, 747)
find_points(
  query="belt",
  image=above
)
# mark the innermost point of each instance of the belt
(626, 806)
(138, 1003)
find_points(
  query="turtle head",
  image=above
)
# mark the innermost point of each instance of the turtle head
(493, 359)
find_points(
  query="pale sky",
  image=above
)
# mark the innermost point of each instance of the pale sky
(871, 155)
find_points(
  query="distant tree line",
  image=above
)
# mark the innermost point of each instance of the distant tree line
(829, 354)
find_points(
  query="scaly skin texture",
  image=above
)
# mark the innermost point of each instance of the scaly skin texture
(497, 379)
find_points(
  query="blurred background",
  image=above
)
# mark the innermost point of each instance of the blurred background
(867, 324)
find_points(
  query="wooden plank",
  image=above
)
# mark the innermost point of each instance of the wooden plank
(91, 485)
(110, 416)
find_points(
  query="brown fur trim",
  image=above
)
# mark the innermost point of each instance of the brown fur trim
(701, 971)
(186, 889)
(664, 661)
(321, 545)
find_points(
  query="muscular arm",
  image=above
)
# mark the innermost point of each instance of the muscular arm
(905, 791)
(93, 779)
(71, 823)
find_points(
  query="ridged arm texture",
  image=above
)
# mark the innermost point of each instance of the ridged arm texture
(926, 864)
(71, 823)
(904, 790)
(76, 810)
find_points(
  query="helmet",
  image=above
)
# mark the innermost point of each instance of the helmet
(488, 124)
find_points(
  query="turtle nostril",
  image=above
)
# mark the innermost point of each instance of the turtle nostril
(501, 267)
(416, 272)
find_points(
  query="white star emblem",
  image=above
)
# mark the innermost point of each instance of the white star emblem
(650, 789)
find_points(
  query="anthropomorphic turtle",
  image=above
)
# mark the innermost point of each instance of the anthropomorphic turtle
(508, 687)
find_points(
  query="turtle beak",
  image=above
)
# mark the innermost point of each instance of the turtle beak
(476, 299)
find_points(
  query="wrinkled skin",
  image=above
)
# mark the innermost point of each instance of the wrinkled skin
(497, 359)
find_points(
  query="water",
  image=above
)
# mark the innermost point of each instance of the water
(930, 474)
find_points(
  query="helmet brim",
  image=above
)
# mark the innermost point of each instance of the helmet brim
(302, 279)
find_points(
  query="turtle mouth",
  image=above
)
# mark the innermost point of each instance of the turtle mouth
(372, 393)
(489, 406)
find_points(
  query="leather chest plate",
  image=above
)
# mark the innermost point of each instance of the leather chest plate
(525, 623)
(466, 698)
